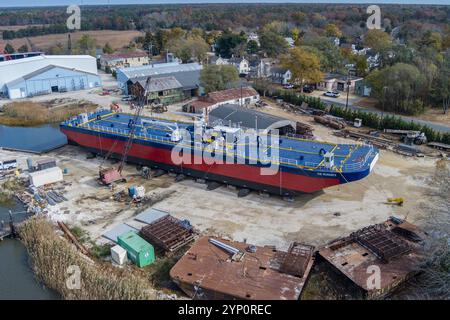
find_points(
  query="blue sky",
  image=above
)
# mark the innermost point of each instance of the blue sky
(25, 3)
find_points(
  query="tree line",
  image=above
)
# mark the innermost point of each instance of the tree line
(369, 119)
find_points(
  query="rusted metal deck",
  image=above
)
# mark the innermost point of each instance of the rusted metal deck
(394, 246)
(263, 273)
(168, 233)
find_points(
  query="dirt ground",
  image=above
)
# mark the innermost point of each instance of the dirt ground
(314, 218)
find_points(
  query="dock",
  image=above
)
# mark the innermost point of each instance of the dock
(5, 233)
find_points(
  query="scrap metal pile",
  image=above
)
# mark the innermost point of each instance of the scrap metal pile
(168, 233)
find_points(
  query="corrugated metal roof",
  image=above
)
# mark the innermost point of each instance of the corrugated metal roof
(42, 70)
(44, 57)
(188, 79)
(117, 231)
(231, 94)
(151, 215)
(160, 84)
(146, 71)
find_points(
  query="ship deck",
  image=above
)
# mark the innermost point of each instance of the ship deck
(291, 151)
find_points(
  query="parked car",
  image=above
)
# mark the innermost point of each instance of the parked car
(288, 86)
(308, 89)
(333, 94)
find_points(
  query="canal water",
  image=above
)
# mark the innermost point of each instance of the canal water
(36, 139)
(17, 280)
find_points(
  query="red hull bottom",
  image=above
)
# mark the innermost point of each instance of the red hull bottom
(242, 175)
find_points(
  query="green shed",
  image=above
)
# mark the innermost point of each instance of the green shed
(138, 250)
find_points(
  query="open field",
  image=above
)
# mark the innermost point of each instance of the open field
(117, 39)
(19, 27)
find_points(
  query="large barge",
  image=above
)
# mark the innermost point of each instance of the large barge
(280, 165)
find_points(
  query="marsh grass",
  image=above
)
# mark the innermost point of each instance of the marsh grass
(28, 114)
(52, 255)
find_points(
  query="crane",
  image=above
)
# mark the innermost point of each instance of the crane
(110, 175)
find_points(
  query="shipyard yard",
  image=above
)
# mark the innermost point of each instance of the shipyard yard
(261, 219)
(98, 214)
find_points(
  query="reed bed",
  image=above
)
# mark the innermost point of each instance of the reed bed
(51, 256)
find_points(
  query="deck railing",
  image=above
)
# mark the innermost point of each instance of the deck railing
(235, 153)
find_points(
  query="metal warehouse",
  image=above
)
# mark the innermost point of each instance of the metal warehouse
(46, 74)
(187, 74)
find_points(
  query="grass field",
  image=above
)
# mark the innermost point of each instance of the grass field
(117, 39)
(29, 113)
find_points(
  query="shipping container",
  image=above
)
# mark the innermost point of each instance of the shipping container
(45, 164)
(139, 251)
(47, 176)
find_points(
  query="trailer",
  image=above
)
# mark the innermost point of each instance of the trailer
(8, 165)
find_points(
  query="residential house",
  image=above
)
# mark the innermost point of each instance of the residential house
(337, 82)
(253, 36)
(362, 88)
(280, 75)
(205, 104)
(260, 68)
(290, 41)
(123, 60)
(219, 61)
(241, 64)
(336, 41)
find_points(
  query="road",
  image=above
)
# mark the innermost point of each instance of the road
(434, 125)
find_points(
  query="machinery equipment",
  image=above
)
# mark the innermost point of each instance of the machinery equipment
(111, 175)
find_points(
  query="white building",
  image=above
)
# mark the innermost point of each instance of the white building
(241, 64)
(280, 75)
(290, 41)
(123, 60)
(45, 74)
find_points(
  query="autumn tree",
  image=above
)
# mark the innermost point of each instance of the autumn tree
(9, 48)
(227, 42)
(85, 45)
(331, 58)
(272, 42)
(252, 47)
(218, 77)
(23, 48)
(189, 47)
(300, 18)
(380, 42)
(332, 30)
(107, 48)
(441, 85)
(398, 88)
(211, 37)
(304, 66)
(297, 34)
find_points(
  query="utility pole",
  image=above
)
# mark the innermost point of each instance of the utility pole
(384, 101)
(348, 82)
